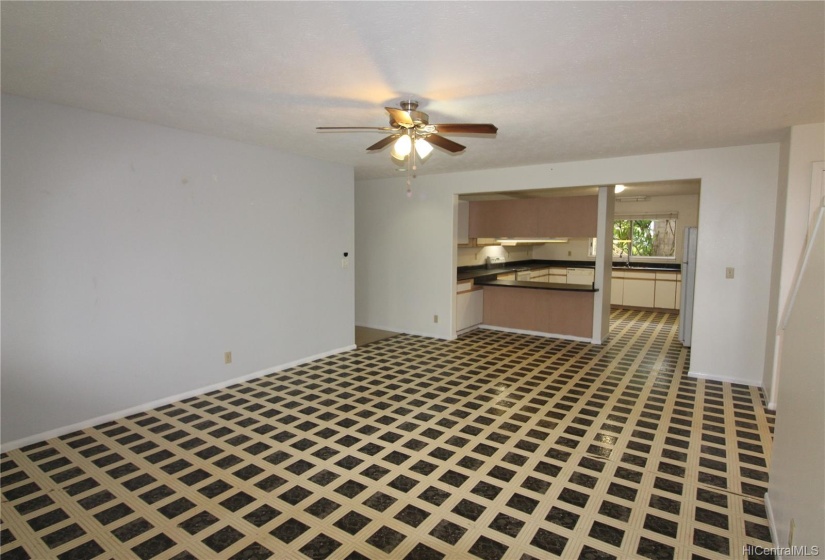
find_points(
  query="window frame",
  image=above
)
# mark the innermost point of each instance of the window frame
(630, 257)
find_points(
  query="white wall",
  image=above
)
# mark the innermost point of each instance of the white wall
(804, 146)
(407, 250)
(797, 488)
(134, 256)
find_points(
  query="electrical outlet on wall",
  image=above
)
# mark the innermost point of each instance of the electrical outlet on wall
(435, 318)
(227, 357)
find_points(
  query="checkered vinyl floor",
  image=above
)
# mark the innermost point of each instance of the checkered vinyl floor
(495, 445)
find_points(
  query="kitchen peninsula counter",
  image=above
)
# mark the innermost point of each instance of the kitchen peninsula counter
(558, 312)
(536, 285)
(478, 272)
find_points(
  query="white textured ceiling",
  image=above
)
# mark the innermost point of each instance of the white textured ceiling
(563, 81)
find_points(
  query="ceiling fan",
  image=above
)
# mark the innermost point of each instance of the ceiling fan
(411, 132)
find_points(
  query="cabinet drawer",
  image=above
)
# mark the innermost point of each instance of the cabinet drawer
(557, 275)
(537, 274)
(638, 275)
(464, 286)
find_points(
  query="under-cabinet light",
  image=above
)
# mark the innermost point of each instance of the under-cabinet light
(513, 241)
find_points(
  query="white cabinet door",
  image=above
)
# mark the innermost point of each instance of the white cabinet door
(678, 292)
(539, 274)
(469, 309)
(580, 276)
(665, 295)
(616, 290)
(639, 289)
(557, 275)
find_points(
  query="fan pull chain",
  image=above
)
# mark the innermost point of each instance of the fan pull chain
(410, 168)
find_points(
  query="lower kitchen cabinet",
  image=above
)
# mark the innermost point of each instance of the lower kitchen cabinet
(539, 275)
(665, 296)
(557, 275)
(638, 293)
(679, 292)
(617, 289)
(637, 288)
(469, 309)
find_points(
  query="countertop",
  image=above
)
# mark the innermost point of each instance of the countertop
(479, 272)
(538, 285)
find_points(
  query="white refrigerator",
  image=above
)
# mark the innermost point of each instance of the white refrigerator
(688, 283)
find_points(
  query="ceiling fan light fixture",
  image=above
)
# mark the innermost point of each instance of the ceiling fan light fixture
(412, 136)
(401, 148)
(423, 148)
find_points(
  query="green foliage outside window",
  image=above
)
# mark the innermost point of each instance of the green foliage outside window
(644, 238)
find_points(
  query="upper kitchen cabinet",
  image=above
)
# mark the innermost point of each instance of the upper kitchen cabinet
(569, 216)
(463, 234)
(503, 218)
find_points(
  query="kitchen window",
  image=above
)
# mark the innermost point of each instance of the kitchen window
(642, 237)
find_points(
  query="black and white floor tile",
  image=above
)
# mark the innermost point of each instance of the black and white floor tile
(492, 446)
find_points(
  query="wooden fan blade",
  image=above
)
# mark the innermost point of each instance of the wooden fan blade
(383, 143)
(354, 128)
(442, 142)
(466, 128)
(399, 116)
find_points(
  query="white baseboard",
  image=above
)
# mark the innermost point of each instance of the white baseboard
(427, 335)
(772, 523)
(466, 330)
(724, 379)
(537, 333)
(380, 328)
(395, 330)
(57, 432)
